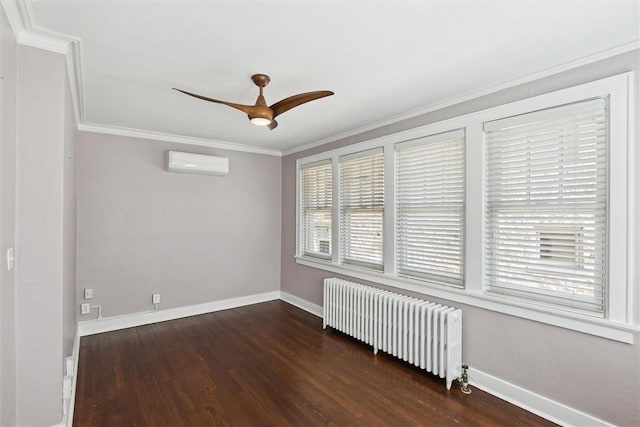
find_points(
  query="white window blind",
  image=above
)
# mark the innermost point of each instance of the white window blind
(362, 208)
(316, 200)
(546, 207)
(430, 203)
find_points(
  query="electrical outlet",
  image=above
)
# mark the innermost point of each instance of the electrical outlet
(88, 293)
(85, 308)
(155, 298)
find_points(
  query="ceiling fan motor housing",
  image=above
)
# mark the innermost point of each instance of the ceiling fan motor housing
(261, 111)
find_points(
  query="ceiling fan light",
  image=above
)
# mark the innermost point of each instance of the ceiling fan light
(260, 121)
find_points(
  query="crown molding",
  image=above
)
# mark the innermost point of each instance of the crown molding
(43, 41)
(14, 16)
(19, 14)
(179, 139)
(618, 50)
(19, 17)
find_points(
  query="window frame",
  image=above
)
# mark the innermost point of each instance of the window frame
(344, 212)
(303, 232)
(504, 204)
(443, 278)
(619, 324)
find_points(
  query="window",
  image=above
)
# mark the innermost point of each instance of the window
(362, 208)
(525, 208)
(430, 202)
(316, 209)
(546, 197)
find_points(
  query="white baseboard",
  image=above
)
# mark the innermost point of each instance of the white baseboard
(68, 422)
(115, 323)
(312, 308)
(532, 402)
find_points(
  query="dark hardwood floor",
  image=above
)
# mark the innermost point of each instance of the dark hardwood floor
(265, 364)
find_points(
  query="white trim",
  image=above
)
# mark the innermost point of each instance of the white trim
(298, 183)
(68, 421)
(316, 164)
(19, 17)
(43, 41)
(179, 139)
(474, 215)
(336, 251)
(361, 154)
(305, 305)
(389, 243)
(14, 17)
(540, 405)
(618, 50)
(74, 73)
(633, 172)
(115, 323)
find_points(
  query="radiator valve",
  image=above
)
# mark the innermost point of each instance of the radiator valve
(464, 380)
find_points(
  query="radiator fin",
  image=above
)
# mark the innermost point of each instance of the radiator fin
(422, 333)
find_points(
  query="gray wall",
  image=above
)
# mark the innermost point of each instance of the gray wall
(191, 238)
(8, 88)
(594, 375)
(45, 235)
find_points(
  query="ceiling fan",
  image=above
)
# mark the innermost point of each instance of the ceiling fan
(260, 114)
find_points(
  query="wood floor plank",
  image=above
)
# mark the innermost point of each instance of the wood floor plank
(268, 364)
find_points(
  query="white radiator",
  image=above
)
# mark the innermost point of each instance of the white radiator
(423, 333)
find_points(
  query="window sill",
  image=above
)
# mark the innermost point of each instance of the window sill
(598, 327)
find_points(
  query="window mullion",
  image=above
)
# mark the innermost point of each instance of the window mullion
(619, 302)
(335, 209)
(389, 223)
(474, 215)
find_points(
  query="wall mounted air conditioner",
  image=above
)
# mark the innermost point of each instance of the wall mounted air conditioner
(180, 162)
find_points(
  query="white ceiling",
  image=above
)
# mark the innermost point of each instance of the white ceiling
(382, 59)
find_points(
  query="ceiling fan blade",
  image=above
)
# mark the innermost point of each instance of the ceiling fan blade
(245, 108)
(273, 125)
(299, 99)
